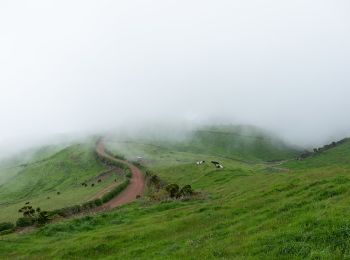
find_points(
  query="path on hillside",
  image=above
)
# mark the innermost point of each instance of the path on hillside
(129, 194)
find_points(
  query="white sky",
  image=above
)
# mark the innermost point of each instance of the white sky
(78, 66)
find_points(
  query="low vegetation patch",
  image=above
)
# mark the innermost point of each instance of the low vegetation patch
(160, 190)
(32, 216)
(6, 226)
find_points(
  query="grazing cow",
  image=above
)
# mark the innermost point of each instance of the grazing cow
(217, 164)
(27, 203)
(200, 162)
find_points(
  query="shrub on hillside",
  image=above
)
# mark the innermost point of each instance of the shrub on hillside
(68, 211)
(160, 195)
(6, 232)
(32, 216)
(186, 191)
(24, 222)
(173, 190)
(154, 180)
(88, 205)
(98, 202)
(128, 173)
(6, 226)
(110, 195)
(42, 217)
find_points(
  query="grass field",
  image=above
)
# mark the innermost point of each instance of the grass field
(248, 210)
(39, 181)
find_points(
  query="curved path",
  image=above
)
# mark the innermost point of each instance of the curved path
(129, 194)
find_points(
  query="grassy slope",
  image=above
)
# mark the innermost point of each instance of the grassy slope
(300, 210)
(235, 142)
(9, 167)
(61, 172)
(244, 142)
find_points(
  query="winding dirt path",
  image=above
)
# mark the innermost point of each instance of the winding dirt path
(129, 194)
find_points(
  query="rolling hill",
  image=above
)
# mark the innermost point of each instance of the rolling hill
(54, 181)
(239, 142)
(294, 209)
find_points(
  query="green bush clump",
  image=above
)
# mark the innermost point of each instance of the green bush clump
(153, 180)
(98, 202)
(5, 232)
(110, 195)
(174, 190)
(24, 222)
(32, 216)
(128, 173)
(6, 226)
(186, 191)
(68, 211)
(88, 205)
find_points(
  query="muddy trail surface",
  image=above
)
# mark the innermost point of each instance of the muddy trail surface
(129, 194)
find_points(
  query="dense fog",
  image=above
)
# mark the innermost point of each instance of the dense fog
(82, 67)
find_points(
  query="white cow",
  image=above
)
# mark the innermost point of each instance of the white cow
(200, 162)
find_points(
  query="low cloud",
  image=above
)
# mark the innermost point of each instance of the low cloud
(91, 66)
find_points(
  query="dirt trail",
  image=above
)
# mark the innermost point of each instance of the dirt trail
(136, 186)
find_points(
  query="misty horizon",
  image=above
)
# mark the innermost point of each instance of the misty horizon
(86, 67)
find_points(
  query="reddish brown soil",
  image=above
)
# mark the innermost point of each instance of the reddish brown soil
(129, 194)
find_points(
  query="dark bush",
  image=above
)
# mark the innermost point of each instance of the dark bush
(27, 211)
(88, 205)
(68, 211)
(42, 218)
(5, 232)
(24, 222)
(173, 190)
(154, 180)
(98, 202)
(186, 191)
(6, 226)
(128, 175)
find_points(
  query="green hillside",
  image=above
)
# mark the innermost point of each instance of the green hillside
(235, 142)
(337, 157)
(9, 167)
(263, 210)
(40, 180)
(245, 142)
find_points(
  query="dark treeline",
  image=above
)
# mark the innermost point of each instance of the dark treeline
(319, 150)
